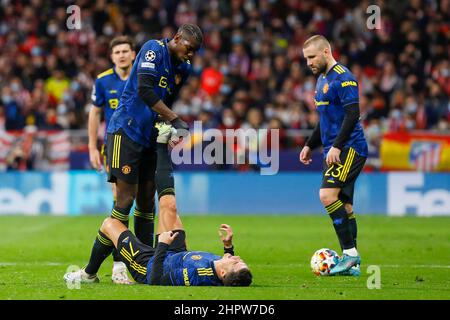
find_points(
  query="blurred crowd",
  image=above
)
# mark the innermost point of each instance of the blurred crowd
(250, 71)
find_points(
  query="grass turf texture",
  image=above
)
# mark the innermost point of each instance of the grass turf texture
(412, 253)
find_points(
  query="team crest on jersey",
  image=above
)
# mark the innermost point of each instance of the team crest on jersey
(150, 55)
(126, 169)
(196, 257)
(325, 88)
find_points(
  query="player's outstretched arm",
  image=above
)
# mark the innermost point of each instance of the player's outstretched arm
(226, 235)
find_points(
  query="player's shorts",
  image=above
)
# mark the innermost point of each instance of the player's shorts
(136, 255)
(344, 175)
(128, 160)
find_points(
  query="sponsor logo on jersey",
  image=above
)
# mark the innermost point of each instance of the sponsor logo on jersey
(349, 83)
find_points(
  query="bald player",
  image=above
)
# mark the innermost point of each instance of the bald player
(340, 133)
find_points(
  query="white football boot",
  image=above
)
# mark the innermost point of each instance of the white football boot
(120, 274)
(80, 276)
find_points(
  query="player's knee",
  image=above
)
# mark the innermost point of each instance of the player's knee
(327, 197)
(106, 225)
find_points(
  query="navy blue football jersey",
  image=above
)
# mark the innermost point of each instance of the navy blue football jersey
(189, 268)
(132, 114)
(335, 90)
(106, 92)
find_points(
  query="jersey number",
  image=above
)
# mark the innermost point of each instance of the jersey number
(113, 103)
(163, 82)
(334, 173)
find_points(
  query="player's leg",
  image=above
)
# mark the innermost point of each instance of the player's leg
(165, 184)
(133, 252)
(336, 210)
(351, 221)
(345, 176)
(123, 168)
(332, 184)
(168, 218)
(346, 196)
(144, 213)
(119, 269)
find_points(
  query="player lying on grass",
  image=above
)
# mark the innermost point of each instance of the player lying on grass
(170, 263)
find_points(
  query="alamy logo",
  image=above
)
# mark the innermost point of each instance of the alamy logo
(258, 147)
(73, 22)
(374, 20)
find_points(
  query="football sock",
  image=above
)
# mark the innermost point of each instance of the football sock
(350, 252)
(101, 249)
(144, 226)
(353, 227)
(337, 213)
(122, 215)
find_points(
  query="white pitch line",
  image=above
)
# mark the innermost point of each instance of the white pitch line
(433, 266)
(46, 263)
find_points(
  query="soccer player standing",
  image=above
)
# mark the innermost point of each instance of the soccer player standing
(344, 145)
(161, 66)
(106, 93)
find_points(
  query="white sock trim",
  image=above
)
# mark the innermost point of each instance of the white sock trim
(351, 252)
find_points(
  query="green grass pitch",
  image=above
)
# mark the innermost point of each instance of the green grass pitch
(413, 255)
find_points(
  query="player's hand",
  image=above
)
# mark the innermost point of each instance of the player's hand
(181, 127)
(174, 138)
(95, 159)
(226, 235)
(333, 156)
(305, 155)
(167, 237)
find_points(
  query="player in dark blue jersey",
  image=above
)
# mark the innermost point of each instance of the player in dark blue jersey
(160, 69)
(170, 263)
(106, 93)
(345, 149)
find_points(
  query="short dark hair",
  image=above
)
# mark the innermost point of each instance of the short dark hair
(240, 278)
(192, 30)
(121, 40)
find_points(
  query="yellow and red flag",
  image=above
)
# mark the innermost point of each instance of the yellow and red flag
(415, 151)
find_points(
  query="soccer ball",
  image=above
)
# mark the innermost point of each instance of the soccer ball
(323, 260)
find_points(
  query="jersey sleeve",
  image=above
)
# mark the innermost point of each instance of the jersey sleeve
(150, 58)
(98, 94)
(347, 90)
